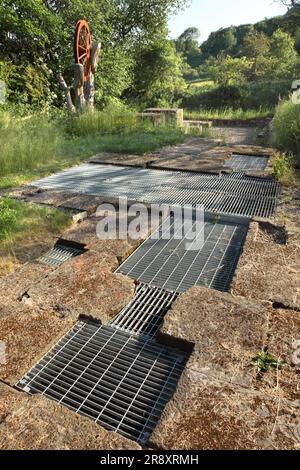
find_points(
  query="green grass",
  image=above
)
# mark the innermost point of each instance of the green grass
(286, 128)
(38, 145)
(19, 219)
(228, 113)
(20, 222)
(283, 169)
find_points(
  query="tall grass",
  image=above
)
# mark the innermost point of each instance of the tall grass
(39, 144)
(286, 128)
(110, 121)
(229, 113)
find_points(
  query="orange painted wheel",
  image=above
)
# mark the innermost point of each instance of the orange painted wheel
(82, 47)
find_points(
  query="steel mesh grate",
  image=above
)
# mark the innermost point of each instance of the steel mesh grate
(226, 194)
(116, 379)
(247, 162)
(144, 315)
(61, 253)
(165, 263)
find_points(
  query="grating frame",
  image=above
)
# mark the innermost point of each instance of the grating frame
(247, 162)
(116, 379)
(144, 315)
(60, 254)
(237, 195)
(164, 262)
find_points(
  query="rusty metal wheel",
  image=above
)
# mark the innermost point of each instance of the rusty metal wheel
(82, 47)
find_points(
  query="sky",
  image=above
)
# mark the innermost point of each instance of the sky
(211, 15)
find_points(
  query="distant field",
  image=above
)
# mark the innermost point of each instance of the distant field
(202, 84)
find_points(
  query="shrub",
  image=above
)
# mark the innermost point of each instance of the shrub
(8, 218)
(283, 169)
(286, 128)
(248, 95)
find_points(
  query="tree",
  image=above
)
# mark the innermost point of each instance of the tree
(289, 3)
(297, 40)
(35, 32)
(188, 45)
(226, 70)
(223, 40)
(159, 81)
(256, 45)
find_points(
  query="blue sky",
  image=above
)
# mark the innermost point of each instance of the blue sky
(210, 15)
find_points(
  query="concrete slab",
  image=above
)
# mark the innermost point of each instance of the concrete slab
(14, 286)
(283, 336)
(207, 413)
(36, 423)
(227, 332)
(85, 285)
(269, 267)
(121, 159)
(210, 160)
(27, 333)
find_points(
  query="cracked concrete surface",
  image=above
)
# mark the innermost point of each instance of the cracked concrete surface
(36, 423)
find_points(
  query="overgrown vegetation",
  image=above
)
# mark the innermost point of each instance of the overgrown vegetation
(18, 219)
(42, 143)
(36, 38)
(286, 127)
(229, 113)
(246, 96)
(20, 222)
(283, 168)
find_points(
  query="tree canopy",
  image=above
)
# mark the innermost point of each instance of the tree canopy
(39, 34)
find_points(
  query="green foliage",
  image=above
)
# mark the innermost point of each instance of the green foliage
(37, 37)
(286, 128)
(224, 40)
(238, 114)
(227, 70)
(158, 75)
(283, 169)
(297, 40)
(244, 96)
(188, 45)
(110, 121)
(19, 219)
(263, 59)
(264, 362)
(40, 144)
(8, 218)
(217, 43)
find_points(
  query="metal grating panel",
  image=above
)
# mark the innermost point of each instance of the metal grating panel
(247, 162)
(144, 315)
(167, 264)
(226, 194)
(119, 381)
(61, 253)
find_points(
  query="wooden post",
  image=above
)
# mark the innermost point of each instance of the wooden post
(84, 90)
(66, 90)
